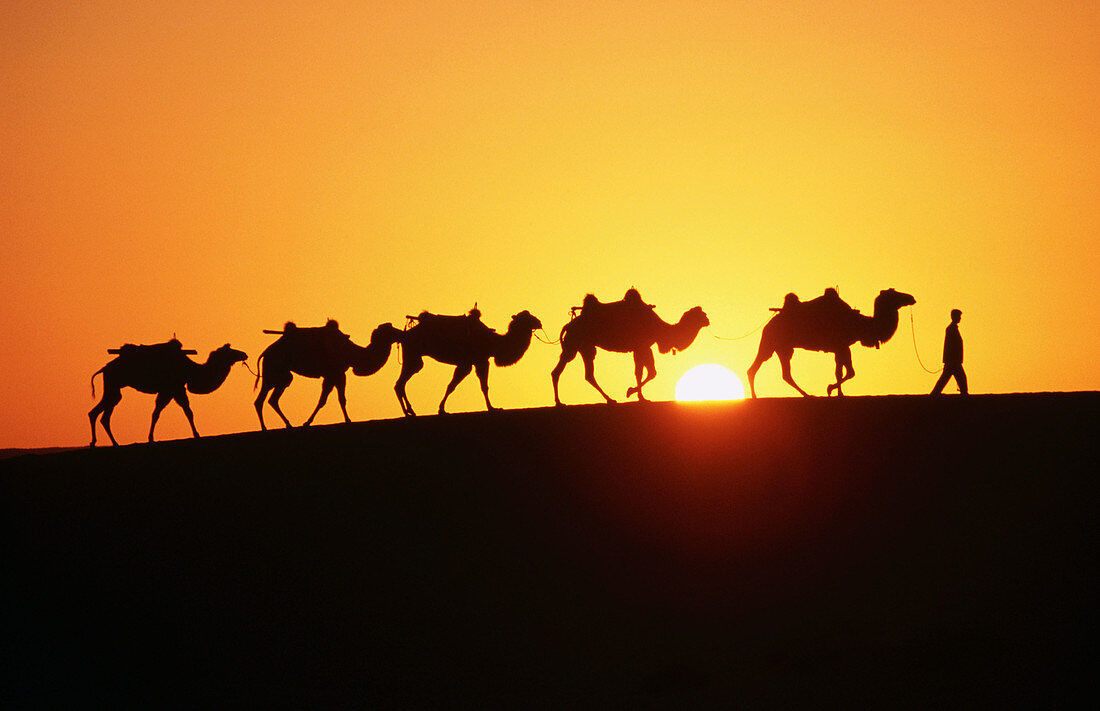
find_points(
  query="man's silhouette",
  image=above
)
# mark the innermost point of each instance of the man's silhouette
(952, 356)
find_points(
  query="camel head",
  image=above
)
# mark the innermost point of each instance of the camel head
(524, 321)
(227, 354)
(386, 334)
(893, 300)
(682, 334)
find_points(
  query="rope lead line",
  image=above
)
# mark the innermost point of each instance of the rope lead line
(738, 338)
(541, 340)
(913, 330)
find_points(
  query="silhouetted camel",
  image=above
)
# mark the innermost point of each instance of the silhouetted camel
(830, 325)
(464, 342)
(319, 352)
(164, 370)
(627, 326)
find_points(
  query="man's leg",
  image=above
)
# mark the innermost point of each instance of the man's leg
(944, 377)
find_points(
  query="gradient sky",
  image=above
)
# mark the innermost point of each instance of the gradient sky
(211, 169)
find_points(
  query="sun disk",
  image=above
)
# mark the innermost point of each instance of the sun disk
(709, 382)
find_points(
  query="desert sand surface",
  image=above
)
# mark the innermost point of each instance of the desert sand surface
(896, 551)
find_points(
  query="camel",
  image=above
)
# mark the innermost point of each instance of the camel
(827, 324)
(464, 342)
(321, 352)
(627, 326)
(164, 370)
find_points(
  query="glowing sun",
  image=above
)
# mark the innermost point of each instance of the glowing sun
(709, 382)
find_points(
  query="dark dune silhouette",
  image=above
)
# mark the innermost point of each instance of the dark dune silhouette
(21, 451)
(860, 552)
(626, 326)
(464, 342)
(164, 370)
(830, 325)
(318, 352)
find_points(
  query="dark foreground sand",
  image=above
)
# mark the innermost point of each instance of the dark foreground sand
(893, 552)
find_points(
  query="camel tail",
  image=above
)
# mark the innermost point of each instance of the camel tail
(93, 381)
(258, 371)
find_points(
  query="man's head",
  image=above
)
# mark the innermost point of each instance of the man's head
(956, 315)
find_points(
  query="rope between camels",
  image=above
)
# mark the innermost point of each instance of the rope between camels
(738, 338)
(913, 330)
(547, 342)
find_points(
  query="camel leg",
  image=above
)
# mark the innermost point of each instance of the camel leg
(460, 373)
(162, 401)
(410, 367)
(326, 388)
(785, 362)
(843, 363)
(482, 370)
(342, 397)
(762, 354)
(643, 363)
(588, 355)
(106, 406)
(276, 393)
(259, 403)
(567, 354)
(184, 403)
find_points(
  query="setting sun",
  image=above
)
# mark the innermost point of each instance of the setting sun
(709, 382)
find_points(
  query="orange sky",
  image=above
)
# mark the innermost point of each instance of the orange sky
(213, 169)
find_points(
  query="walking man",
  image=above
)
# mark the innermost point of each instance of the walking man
(952, 356)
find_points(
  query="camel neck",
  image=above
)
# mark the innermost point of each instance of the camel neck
(677, 336)
(370, 359)
(207, 377)
(885, 322)
(512, 345)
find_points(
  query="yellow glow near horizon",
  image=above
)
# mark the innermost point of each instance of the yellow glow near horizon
(709, 382)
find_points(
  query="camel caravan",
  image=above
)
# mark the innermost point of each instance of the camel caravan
(629, 325)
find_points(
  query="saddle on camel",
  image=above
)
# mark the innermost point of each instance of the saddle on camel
(827, 308)
(169, 348)
(299, 340)
(631, 304)
(468, 324)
